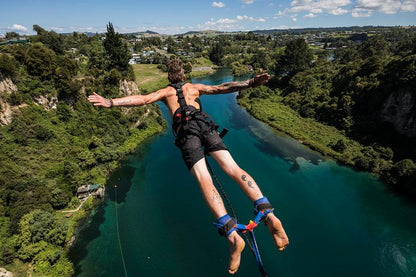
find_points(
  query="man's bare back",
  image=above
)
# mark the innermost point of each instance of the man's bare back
(190, 92)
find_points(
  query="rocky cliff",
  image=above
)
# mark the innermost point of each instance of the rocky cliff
(400, 110)
(7, 87)
(48, 102)
(128, 88)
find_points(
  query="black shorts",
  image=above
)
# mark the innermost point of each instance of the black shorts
(202, 135)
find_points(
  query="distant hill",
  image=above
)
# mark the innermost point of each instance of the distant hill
(321, 29)
(264, 32)
(204, 32)
(146, 33)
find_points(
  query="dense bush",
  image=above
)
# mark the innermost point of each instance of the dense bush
(56, 142)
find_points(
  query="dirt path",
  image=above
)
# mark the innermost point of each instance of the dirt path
(148, 79)
(79, 207)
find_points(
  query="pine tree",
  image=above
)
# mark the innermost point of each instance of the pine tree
(118, 55)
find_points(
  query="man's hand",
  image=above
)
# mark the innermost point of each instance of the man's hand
(98, 100)
(260, 79)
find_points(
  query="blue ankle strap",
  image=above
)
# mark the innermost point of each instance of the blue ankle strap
(225, 225)
(262, 207)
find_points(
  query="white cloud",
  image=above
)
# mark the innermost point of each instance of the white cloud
(58, 29)
(318, 5)
(385, 6)
(18, 27)
(248, 1)
(250, 18)
(225, 24)
(338, 11)
(357, 8)
(357, 12)
(218, 4)
(229, 24)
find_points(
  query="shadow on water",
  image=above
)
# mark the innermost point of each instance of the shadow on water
(90, 227)
(87, 233)
(267, 142)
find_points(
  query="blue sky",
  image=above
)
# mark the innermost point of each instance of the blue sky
(180, 16)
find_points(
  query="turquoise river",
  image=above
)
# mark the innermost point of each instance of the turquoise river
(153, 221)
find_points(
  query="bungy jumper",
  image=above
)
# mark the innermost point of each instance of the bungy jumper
(226, 224)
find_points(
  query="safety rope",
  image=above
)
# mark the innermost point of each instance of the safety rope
(118, 231)
(243, 229)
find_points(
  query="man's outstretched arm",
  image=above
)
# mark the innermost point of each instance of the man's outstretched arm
(127, 101)
(228, 87)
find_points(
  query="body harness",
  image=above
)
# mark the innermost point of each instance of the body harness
(185, 113)
(225, 224)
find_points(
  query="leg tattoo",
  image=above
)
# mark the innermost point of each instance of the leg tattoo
(250, 184)
(216, 197)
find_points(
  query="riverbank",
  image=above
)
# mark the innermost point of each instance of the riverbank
(315, 135)
(267, 106)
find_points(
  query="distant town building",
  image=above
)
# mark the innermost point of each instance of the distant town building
(87, 190)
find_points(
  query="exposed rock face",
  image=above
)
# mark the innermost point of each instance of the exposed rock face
(47, 103)
(5, 273)
(6, 113)
(128, 88)
(400, 110)
(7, 85)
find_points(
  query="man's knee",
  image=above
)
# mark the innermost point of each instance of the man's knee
(231, 168)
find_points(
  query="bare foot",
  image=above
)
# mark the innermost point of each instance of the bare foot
(276, 230)
(237, 245)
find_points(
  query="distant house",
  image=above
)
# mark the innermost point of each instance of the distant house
(15, 41)
(87, 190)
(82, 191)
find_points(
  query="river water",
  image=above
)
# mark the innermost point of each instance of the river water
(154, 222)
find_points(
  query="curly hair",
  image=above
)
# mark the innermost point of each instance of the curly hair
(175, 71)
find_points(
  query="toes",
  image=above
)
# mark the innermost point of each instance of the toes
(282, 248)
(232, 271)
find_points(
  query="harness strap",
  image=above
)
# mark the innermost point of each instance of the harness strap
(186, 112)
(226, 225)
(262, 207)
(184, 108)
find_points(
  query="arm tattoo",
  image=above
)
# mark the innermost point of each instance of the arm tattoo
(155, 95)
(123, 102)
(233, 86)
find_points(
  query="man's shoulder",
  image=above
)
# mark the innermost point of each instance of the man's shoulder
(195, 86)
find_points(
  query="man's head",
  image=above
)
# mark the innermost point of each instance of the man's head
(176, 73)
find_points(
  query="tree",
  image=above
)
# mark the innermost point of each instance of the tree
(217, 53)
(261, 60)
(297, 57)
(8, 65)
(118, 55)
(187, 67)
(376, 46)
(40, 61)
(10, 35)
(50, 39)
(96, 58)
